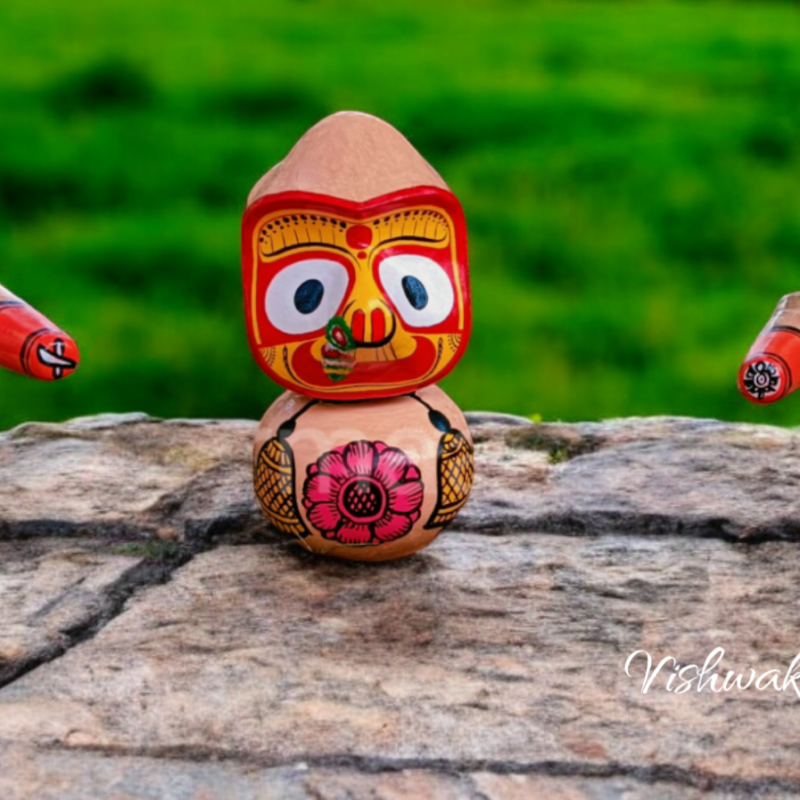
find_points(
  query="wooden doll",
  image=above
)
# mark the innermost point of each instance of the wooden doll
(771, 369)
(30, 344)
(357, 300)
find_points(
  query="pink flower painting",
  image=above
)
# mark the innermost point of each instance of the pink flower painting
(363, 493)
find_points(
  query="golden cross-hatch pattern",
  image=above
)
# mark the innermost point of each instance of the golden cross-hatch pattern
(456, 471)
(274, 483)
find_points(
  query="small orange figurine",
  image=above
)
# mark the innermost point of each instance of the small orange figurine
(30, 344)
(356, 285)
(771, 369)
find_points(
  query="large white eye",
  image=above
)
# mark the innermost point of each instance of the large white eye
(304, 296)
(419, 288)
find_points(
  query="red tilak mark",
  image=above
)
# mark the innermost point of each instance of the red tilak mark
(362, 255)
(359, 237)
(378, 325)
(357, 326)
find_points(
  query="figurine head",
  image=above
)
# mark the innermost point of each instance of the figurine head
(354, 263)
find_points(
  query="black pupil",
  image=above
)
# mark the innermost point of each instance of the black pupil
(308, 296)
(415, 292)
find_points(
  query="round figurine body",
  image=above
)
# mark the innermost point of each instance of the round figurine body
(368, 481)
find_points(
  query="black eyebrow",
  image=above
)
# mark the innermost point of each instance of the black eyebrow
(289, 247)
(412, 239)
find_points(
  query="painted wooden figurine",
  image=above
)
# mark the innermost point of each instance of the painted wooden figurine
(771, 369)
(30, 344)
(357, 301)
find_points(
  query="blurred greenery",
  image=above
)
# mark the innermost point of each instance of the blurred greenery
(629, 172)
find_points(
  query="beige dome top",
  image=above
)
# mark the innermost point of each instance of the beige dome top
(351, 156)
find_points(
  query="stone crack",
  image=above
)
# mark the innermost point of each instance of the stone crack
(368, 765)
(157, 567)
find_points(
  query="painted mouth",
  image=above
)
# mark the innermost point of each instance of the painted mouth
(313, 374)
(380, 342)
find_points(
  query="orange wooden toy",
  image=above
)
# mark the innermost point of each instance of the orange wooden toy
(771, 369)
(356, 288)
(32, 345)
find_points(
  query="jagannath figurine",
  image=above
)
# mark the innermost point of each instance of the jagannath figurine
(356, 289)
(771, 369)
(32, 345)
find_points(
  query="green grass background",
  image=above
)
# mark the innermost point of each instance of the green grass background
(630, 174)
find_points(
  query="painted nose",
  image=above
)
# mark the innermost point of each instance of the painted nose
(372, 329)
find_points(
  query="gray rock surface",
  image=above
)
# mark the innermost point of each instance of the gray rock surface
(53, 592)
(158, 640)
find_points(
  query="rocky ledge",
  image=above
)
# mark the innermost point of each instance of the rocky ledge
(157, 639)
